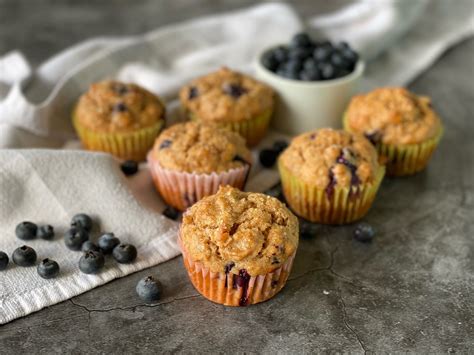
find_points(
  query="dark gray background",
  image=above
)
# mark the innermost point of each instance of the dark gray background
(410, 290)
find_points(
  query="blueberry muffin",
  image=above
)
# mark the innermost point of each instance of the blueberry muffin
(230, 99)
(117, 118)
(403, 127)
(238, 247)
(191, 160)
(330, 176)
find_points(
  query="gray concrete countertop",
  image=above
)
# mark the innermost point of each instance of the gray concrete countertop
(409, 290)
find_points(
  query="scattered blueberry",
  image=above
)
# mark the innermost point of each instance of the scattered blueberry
(165, 144)
(45, 232)
(48, 269)
(88, 245)
(124, 253)
(91, 262)
(4, 259)
(268, 157)
(129, 167)
(308, 230)
(24, 256)
(193, 92)
(234, 90)
(75, 237)
(171, 212)
(107, 242)
(364, 232)
(83, 221)
(149, 289)
(26, 230)
(119, 107)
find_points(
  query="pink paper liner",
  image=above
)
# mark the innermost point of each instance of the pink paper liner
(223, 288)
(182, 189)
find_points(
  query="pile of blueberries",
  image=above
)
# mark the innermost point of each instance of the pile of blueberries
(308, 60)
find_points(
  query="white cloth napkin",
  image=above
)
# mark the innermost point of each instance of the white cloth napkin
(49, 186)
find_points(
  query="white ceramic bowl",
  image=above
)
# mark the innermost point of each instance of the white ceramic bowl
(305, 105)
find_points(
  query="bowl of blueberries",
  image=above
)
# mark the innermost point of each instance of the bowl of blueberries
(313, 79)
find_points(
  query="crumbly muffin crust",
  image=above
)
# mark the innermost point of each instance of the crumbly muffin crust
(234, 230)
(393, 116)
(226, 96)
(199, 147)
(112, 106)
(328, 158)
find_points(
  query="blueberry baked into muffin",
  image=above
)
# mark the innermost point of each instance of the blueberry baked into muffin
(238, 247)
(330, 176)
(118, 118)
(191, 160)
(403, 127)
(230, 99)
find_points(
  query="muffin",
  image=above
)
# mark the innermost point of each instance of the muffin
(403, 127)
(191, 160)
(238, 247)
(330, 176)
(117, 118)
(230, 99)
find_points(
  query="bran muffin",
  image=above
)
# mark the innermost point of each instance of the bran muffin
(238, 247)
(403, 126)
(191, 160)
(230, 99)
(330, 176)
(118, 118)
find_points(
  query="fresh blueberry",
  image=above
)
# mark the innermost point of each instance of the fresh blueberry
(310, 64)
(129, 167)
(107, 242)
(322, 53)
(24, 256)
(124, 253)
(342, 45)
(350, 55)
(48, 269)
(301, 40)
(171, 212)
(88, 245)
(75, 237)
(268, 157)
(83, 221)
(280, 145)
(119, 107)
(308, 230)
(193, 92)
(4, 259)
(364, 232)
(280, 54)
(165, 144)
(26, 230)
(149, 289)
(45, 232)
(310, 75)
(234, 90)
(292, 66)
(269, 61)
(339, 61)
(299, 54)
(91, 262)
(327, 71)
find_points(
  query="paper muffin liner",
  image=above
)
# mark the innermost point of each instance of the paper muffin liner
(234, 290)
(182, 189)
(344, 205)
(134, 145)
(253, 130)
(405, 159)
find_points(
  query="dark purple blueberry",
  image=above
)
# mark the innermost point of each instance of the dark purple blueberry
(374, 137)
(107, 242)
(293, 65)
(307, 229)
(149, 289)
(129, 167)
(310, 64)
(125, 253)
(301, 40)
(269, 61)
(45, 232)
(48, 269)
(83, 221)
(75, 237)
(234, 90)
(331, 184)
(327, 71)
(91, 262)
(341, 45)
(242, 280)
(119, 107)
(268, 157)
(24, 256)
(88, 245)
(165, 144)
(193, 92)
(350, 55)
(310, 75)
(119, 88)
(364, 232)
(274, 283)
(26, 230)
(346, 159)
(280, 54)
(322, 53)
(280, 145)
(4, 259)
(338, 61)
(171, 213)
(299, 54)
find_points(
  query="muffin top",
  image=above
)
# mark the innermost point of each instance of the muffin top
(328, 158)
(200, 147)
(234, 230)
(226, 95)
(112, 106)
(393, 116)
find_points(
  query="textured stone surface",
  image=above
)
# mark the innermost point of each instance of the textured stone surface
(410, 290)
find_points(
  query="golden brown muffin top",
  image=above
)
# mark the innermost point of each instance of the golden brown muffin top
(328, 158)
(393, 116)
(226, 95)
(112, 106)
(199, 147)
(234, 230)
